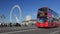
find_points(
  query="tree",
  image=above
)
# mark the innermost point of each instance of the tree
(17, 24)
(10, 24)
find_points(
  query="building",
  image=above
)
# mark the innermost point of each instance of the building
(28, 22)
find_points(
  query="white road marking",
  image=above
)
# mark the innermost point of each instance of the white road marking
(54, 32)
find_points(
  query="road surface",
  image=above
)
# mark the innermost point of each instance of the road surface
(29, 30)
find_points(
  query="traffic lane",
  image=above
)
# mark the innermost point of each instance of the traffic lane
(55, 30)
(37, 31)
(30, 31)
(11, 29)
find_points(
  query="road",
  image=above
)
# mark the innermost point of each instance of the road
(29, 30)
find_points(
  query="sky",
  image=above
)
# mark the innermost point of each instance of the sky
(28, 7)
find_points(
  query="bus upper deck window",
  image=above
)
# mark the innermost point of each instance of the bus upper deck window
(43, 9)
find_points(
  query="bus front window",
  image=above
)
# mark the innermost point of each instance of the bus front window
(42, 19)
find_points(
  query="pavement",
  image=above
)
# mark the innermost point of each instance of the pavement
(29, 30)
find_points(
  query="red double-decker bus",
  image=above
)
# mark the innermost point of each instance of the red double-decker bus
(46, 18)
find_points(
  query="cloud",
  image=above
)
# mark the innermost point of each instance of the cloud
(28, 17)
